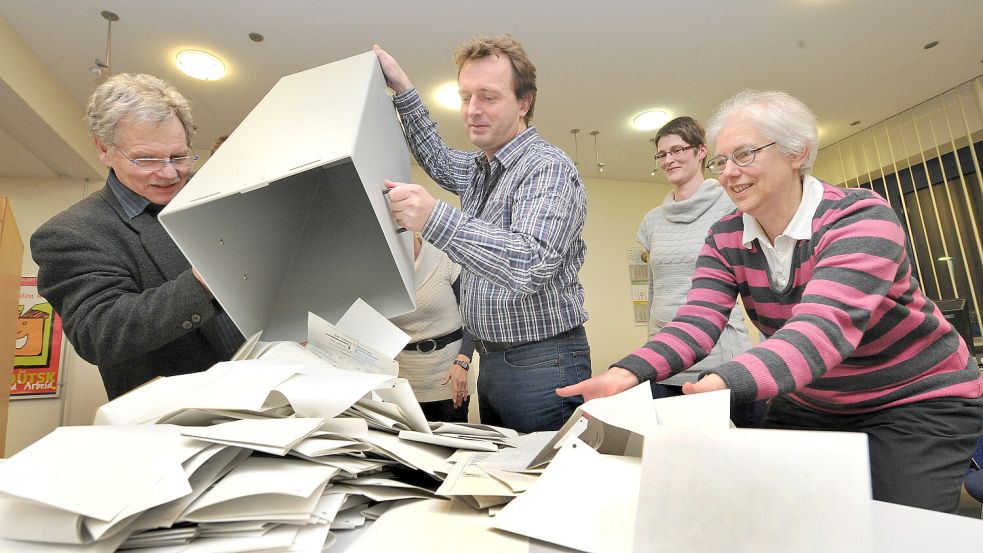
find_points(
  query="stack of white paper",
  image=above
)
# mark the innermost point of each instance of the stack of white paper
(117, 474)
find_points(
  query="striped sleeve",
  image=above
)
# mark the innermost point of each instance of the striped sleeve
(857, 260)
(698, 323)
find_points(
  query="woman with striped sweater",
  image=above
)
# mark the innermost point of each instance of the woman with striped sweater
(849, 341)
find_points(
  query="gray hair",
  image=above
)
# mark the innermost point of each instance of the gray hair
(139, 97)
(779, 118)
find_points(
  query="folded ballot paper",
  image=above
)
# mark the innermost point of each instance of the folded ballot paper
(279, 379)
(117, 475)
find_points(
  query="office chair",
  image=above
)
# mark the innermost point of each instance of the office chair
(974, 479)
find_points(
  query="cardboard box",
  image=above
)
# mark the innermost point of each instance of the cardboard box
(288, 216)
(11, 257)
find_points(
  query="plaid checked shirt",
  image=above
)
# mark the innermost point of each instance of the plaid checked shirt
(517, 236)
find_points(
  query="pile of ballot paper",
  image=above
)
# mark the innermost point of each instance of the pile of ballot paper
(632, 474)
(281, 450)
(278, 450)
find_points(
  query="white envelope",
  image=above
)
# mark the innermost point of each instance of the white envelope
(757, 491)
(274, 436)
(584, 500)
(113, 468)
(435, 526)
(263, 488)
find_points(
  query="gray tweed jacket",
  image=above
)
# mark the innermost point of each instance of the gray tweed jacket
(128, 299)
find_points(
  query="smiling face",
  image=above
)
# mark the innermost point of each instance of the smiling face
(492, 114)
(687, 166)
(141, 139)
(769, 188)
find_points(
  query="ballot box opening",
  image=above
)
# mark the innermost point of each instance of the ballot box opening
(301, 243)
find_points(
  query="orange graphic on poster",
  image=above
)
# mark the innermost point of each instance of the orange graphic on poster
(38, 345)
(30, 332)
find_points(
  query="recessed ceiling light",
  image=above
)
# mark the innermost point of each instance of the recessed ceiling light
(448, 96)
(930, 45)
(650, 120)
(200, 65)
(256, 37)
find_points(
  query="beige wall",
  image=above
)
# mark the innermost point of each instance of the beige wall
(34, 201)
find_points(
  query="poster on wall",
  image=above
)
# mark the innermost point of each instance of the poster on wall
(37, 360)
(638, 274)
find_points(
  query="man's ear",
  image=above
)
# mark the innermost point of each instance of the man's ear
(103, 152)
(524, 104)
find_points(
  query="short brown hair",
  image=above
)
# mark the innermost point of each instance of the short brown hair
(523, 70)
(218, 142)
(687, 128)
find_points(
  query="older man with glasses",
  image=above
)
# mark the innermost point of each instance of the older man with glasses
(130, 301)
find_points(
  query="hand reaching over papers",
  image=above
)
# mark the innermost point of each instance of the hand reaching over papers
(613, 381)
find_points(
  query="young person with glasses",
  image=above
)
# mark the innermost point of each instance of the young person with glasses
(672, 235)
(850, 341)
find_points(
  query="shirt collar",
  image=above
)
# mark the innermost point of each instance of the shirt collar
(800, 227)
(513, 150)
(133, 203)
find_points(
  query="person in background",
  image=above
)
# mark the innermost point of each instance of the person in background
(217, 143)
(130, 301)
(437, 360)
(850, 342)
(517, 235)
(672, 235)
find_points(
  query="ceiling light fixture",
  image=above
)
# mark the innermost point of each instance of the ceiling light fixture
(448, 96)
(650, 120)
(597, 158)
(576, 148)
(201, 65)
(103, 69)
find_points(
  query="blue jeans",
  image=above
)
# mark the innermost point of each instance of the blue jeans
(517, 388)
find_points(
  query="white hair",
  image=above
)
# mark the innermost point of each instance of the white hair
(138, 97)
(778, 116)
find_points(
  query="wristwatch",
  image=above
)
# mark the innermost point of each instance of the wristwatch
(463, 364)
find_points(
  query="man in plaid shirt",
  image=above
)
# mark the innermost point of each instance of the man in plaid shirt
(517, 235)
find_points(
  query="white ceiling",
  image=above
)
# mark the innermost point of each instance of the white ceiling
(599, 63)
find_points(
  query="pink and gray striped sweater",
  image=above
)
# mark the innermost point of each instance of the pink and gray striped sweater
(850, 333)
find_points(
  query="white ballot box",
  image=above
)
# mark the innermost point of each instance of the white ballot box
(288, 216)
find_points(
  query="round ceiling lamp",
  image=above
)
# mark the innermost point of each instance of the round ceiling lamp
(201, 65)
(448, 96)
(650, 120)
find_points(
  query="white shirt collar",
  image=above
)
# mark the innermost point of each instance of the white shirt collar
(800, 227)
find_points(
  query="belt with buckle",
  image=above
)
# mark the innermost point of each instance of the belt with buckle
(486, 346)
(433, 344)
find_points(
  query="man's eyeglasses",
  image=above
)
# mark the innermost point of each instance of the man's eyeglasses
(674, 152)
(152, 164)
(741, 158)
